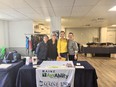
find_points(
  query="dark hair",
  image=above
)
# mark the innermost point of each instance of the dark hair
(71, 33)
(62, 32)
(45, 36)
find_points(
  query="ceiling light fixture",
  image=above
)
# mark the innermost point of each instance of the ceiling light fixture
(113, 8)
(48, 20)
(114, 25)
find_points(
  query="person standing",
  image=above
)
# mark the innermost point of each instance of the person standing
(52, 47)
(62, 45)
(42, 49)
(72, 47)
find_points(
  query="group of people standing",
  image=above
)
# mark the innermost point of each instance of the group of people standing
(50, 49)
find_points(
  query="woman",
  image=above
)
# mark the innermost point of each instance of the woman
(42, 49)
(72, 47)
(62, 45)
(52, 48)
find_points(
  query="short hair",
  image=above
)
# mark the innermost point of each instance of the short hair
(45, 36)
(62, 32)
(71, 33)
(53, 34)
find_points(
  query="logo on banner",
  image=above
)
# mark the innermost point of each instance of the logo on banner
(65, 84)
(53, 84)
(53, 74)
(48, 84)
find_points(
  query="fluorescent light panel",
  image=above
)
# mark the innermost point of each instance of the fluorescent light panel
(48, 20)
(113, 8)
(114, 25)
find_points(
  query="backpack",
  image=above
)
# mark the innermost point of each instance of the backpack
(12, 57)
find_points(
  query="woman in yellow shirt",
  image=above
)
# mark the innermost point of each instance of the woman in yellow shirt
(62, 45)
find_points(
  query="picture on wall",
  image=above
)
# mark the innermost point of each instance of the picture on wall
(41, 29)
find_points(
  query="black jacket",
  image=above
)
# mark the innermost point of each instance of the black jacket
(42, 51)
(52, 50)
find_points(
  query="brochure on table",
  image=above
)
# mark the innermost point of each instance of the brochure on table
(4, 66)
(55, 74)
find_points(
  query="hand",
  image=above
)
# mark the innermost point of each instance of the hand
(75, 57)
(59, 56)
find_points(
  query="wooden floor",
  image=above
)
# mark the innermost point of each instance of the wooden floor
(105, 68)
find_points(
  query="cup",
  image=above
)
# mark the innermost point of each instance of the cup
(34, 60)
(27, 60)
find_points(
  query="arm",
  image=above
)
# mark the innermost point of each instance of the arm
(38, 49)
(75, 46)
(58, 48)
(48, 48)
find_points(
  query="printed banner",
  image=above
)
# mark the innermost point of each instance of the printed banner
(55, 77)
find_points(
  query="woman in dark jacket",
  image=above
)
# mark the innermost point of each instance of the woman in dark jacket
(42, 49)
(52, 48)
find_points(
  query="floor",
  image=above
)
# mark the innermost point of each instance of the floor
(105, 68)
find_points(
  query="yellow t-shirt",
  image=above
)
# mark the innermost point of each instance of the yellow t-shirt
(62, 46)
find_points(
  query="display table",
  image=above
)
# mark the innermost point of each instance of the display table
(8, 75)
(99, 51)
(83, 77)
(55, 74)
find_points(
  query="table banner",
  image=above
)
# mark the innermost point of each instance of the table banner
(55, 77)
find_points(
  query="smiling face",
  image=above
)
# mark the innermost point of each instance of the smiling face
(45, 39)
(70, 36)
(54, 37)
(62, 34)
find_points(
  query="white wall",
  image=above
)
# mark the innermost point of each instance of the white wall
(1, 33)
(108, 34)
(103, 34)
(84, 35)
(17, 31)
(4, 33)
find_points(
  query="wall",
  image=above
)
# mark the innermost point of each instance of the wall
(17, 31)
(103, 34)
(84, 35)
(111, 34)
(1, 34)
(108, 34)
(4, 33)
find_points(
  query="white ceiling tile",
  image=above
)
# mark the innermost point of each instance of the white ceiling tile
(7, 1)
(62, 3)
(64, 11)
(86, 2)
(39, 3)
(26, 10)
(107, 2)
(33, 15)
(20, 4)
(2, 6)
(44, 3)
(4, 16)
(46, 12)
(81, 11)
(15, 3)
(12, 12)
(33, 3)
(99, 11)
